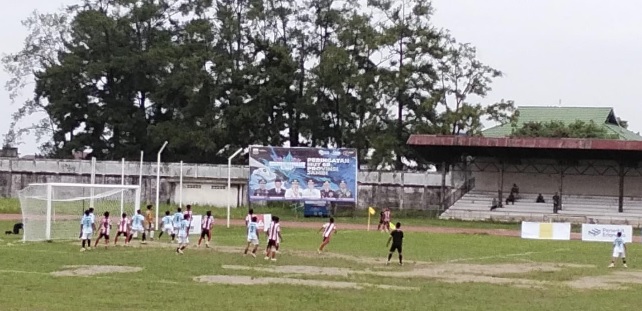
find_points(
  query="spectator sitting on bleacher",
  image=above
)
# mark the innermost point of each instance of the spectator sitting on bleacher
(515, 190)
(556, 203)
(494, 205)
(511, 199)
(540, 199)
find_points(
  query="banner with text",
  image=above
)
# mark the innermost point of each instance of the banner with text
(606, 233)
(303, 174)
(546, 230)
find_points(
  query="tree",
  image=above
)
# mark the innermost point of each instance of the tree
(558, 129)
(410, 47)
(463, 77)
(48, 34)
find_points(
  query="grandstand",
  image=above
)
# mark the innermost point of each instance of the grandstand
(599, 181)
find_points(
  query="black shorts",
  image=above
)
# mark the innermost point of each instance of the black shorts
(271, 243)
(102, 235)
(204, 233)
(381, 221)
(121, 233)
(394, 248)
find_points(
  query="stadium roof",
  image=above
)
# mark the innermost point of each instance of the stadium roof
(451, 148)
(599, 115)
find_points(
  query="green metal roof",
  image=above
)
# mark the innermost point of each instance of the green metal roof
(599, 115)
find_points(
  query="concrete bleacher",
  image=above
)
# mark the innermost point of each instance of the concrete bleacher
(475, 205)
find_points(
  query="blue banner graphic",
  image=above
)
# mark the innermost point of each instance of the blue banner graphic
(303, 174)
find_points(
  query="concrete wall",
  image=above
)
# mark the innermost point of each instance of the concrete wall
(393, 189)
(548, 180)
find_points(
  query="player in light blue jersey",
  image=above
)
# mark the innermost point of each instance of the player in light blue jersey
(619, 250)
(183, 233)
(252, 236)
(87, 228)
(137, 226)
(177, 218)
(168, 227)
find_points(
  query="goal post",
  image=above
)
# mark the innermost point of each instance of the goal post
(52, 211)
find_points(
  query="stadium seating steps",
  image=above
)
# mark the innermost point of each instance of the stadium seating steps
(475, 205)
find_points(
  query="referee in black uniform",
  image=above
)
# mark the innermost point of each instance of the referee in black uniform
(396, 236)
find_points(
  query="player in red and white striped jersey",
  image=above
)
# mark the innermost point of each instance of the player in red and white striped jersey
(328, 230)
(206, 229)
(386, 219)
(123, 229)
(249, 216)
(105, 226)
(274, 235)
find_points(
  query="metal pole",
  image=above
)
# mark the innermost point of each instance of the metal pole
(229, 184)
(92, 181)
(140, 174)
(180, 190)
(122, 182)
(158, 163)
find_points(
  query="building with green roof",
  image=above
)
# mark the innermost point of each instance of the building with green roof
(599, 115)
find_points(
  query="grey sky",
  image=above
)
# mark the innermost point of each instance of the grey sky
(582, 52)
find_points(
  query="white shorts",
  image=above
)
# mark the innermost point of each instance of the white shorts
(138, 229)
(183, 239)
(86, 235)
(617, 253)
(253, 241)
(168, 229)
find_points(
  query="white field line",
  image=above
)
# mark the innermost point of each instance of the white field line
(559, 250)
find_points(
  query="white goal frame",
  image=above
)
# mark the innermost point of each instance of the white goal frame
(49, 196)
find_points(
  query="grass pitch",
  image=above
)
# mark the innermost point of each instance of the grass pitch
(441, 272)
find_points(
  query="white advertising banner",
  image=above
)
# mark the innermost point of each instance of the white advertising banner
(606, 233)
(195, 224)
(546, 230)
(265, 221)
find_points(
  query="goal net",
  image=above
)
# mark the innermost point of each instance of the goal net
(52, 211)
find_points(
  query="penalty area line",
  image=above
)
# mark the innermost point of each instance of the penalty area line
(559, 250)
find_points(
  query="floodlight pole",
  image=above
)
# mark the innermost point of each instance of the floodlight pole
(180, 190)
(158, 163)
(122, 182)
(229, 183)
(92, 181)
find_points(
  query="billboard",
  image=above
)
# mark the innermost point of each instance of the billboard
(303, 174)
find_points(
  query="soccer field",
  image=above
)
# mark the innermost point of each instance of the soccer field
(441, 272)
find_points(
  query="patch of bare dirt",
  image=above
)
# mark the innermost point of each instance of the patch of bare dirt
(615, 280)
(450, 273)
(248, 280)
(94, 270)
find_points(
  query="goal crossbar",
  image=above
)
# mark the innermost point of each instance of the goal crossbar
(87, 185)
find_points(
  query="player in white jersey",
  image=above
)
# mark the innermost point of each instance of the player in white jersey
(206, 229)
(168, 227)
(176, 219)
(188, 211)
(123, 229)
(248, 217)
(183, 233)
(328, 230)
(619, 250)
(105, 227)
(87, 228)
(274, 236)
(137, 226)
(252, 236)
(91, 214)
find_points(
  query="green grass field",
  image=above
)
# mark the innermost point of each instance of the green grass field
(442, 272)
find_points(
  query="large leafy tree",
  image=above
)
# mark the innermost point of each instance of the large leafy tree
(209, 76)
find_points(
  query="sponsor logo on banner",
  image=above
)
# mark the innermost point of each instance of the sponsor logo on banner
(606, 233)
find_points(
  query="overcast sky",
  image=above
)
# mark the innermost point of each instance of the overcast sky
(579, 52)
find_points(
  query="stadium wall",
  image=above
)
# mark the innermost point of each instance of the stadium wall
(598, 178)
(207, 184)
